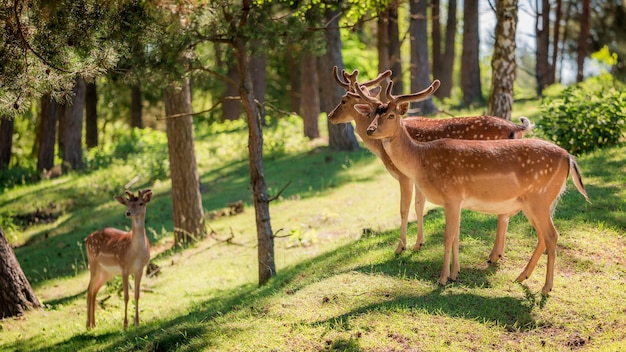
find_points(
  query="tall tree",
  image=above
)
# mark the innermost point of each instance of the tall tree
(231, 108)
(73, 126)
(310, 102)
(583, 40)
(16, 294)
(543, 66)
(340, 136)
(47, 132)
(503, 63)
(389, 45)
(470, 65)
(443, 62)
(91, 115)
(189, 223)
(6, 141)
(420, 68)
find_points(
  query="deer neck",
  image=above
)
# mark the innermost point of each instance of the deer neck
(139, 237)
(402, 150)
(374, 145)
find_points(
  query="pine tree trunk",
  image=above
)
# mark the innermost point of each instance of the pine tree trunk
(265, 236)
(188, 214)
(310, 104)
(447, 64)
(47, 133)
(6, 141)
(231, 109)
(16, 294)
(435, 20)
(340, 136)
(470, 65)
(295, 77)
(503, 63)
(73, 127)
(91, 115)
(420, 68)
(542, 29)
(395, 58)
(136, 106)
(383, 41)
(258, 72)
(583, 40)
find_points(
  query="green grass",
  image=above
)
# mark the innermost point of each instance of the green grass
(339, 285)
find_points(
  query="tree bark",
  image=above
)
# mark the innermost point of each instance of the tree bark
(435, 19)
(583, 41)
(189, 222)
(542, 29)
(6, 141)
(231, 109)
(470, 66)
(395, 58)
(47, 133)
(310, 103)
(295, 77)
(16, 294)
(383, 41)
(91, 115)
(265, 236)
(443, 68)
(73, 127)
(258, 72)
(340, 136)
(136, 106)
(420, 68)
(503, 64)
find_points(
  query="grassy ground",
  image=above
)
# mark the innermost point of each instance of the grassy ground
(339, 285)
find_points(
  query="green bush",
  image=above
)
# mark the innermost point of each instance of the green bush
(586, 116)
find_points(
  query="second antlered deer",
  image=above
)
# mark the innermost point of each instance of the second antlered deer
(422, 129)
(495, 177)
(113, 252)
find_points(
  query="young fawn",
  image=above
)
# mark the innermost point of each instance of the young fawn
(422, 129)
(496, 177)
(113, 252)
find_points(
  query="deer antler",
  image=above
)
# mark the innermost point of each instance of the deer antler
(405, 98)
(344, 85)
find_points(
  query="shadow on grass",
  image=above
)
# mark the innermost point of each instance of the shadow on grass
(195, 329)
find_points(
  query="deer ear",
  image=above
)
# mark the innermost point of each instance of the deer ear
(147, 195)
(363, 109)
(403, 108)
(122, 200)
(375, 91)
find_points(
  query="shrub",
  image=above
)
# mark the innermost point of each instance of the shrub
(586, 116)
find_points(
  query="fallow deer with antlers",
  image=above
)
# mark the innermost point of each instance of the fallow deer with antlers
(113, 252)
(422, 129)
(496, 177)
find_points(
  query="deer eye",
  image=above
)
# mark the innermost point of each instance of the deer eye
(140, 204)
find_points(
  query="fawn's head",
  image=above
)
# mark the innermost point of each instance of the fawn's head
(136, 204)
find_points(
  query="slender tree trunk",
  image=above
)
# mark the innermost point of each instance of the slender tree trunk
(435, 20)
(310, 104)
(136, 106)
(295, 77)
(91, 115)
(470, 65)
(383, 41)
(16, 294)
(47, 133)
(231, 109)
(258, 71)
(395, 58)
(542, 29)
(447, 64)
(420, 68)
(189, 222)
(503, 64)
(583, 41)
(6, 141)
(265, 236)
(340, 136)
(73, 127)
(556, 33)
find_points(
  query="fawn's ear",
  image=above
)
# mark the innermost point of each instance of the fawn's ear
(147, 195)
(363, 109)
(403, 108)
(122, 200)
(375, 91)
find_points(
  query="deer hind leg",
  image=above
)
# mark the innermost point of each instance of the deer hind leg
(498, 246)
(451, 243)
(547, 238)
(406, 193)
(420, 201)
(97, 278)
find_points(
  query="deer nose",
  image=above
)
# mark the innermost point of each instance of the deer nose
(128, 213)
(370, 130)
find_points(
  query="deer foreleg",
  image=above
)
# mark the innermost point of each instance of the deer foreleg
(420, 201)
(125, 287)
(450, 237)
(406, 193)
